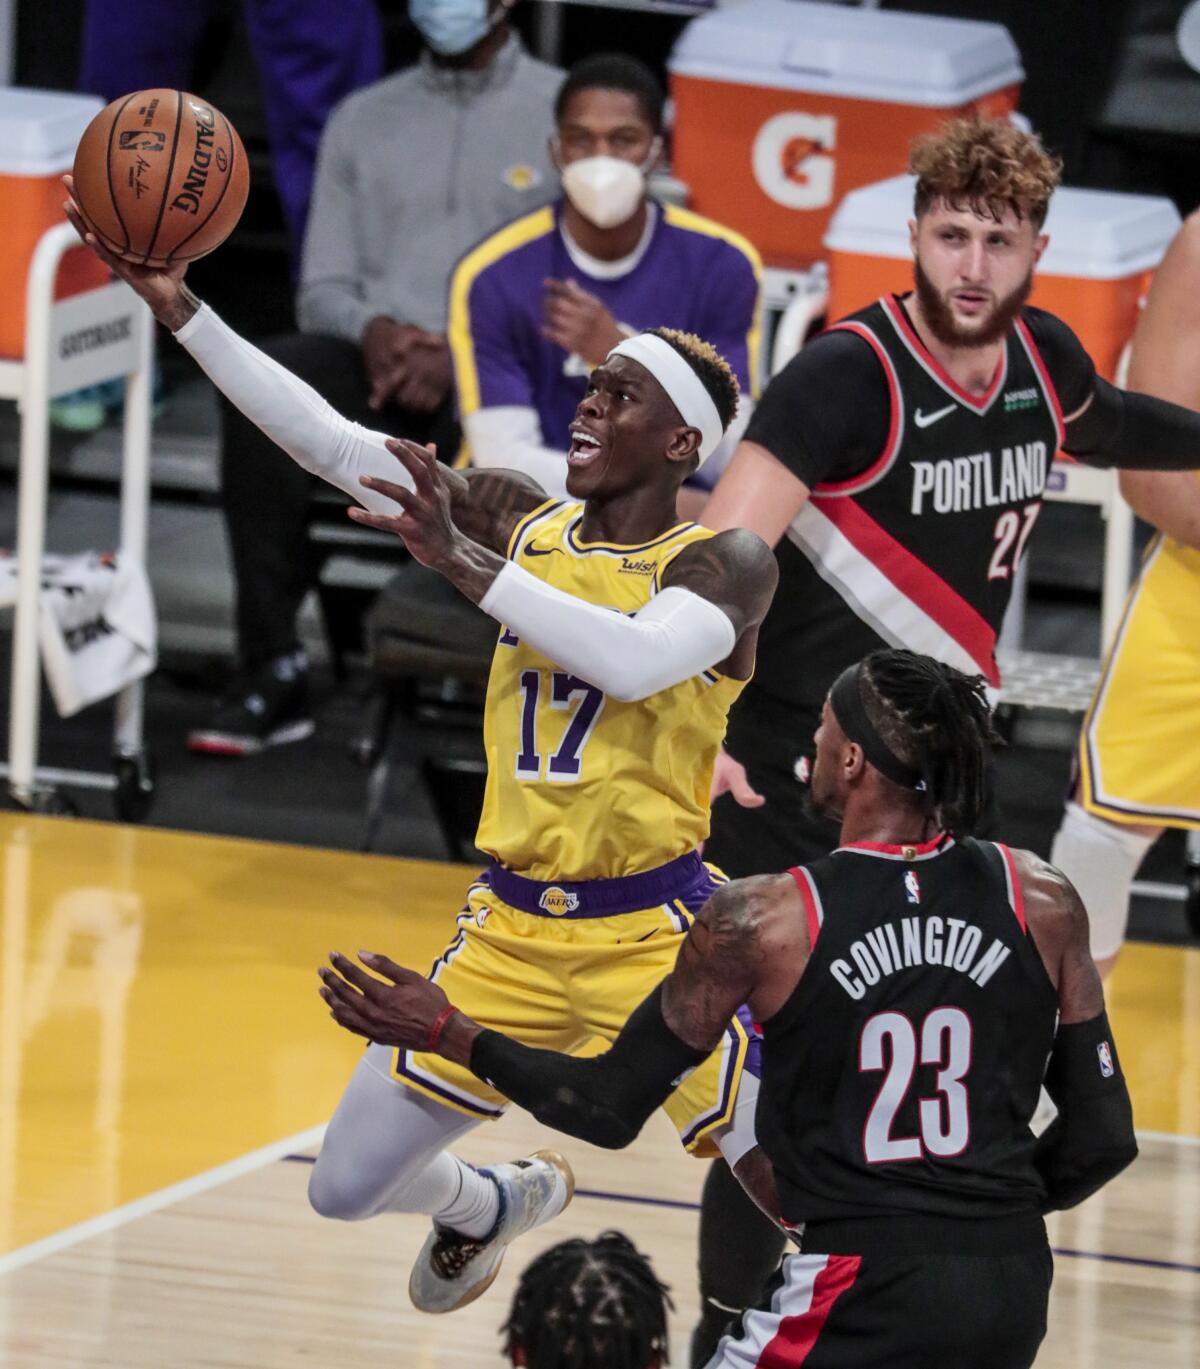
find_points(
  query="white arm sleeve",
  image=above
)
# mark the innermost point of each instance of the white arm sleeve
(509, 436)
(291, 413)
(677, 635)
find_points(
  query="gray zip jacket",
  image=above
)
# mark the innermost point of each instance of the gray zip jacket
(411, 172)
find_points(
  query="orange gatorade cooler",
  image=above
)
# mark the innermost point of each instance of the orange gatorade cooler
(1103, 249)
(39, 130)
(783, 107)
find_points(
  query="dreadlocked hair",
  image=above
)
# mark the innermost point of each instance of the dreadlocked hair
(716, 374)
(589, 1305)
(936, 720)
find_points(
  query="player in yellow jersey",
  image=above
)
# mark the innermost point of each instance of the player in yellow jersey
(1137, 767)
(627, 636)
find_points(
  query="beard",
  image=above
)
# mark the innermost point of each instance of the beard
(938, 314)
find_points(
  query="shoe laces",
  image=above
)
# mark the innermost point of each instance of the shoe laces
(452, 1252)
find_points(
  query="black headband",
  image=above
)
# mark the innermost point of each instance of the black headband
(845, 698)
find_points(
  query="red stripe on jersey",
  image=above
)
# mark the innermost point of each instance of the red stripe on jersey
(918, 849)
(914, 579)
(793, 1342)
(1015, 896)
(892, 445)
(802, 878)
(977, 402)
(1044, 376)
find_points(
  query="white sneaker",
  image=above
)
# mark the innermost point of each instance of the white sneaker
(453, 1270)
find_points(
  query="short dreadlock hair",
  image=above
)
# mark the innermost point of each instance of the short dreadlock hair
(936, 720)
(716, 374)
(589, 1305)
(986, 166)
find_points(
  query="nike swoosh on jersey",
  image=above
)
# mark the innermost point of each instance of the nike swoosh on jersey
(531, 550)
(924, 420)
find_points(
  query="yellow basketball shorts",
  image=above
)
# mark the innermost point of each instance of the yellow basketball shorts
(1139, 752)
(557, 966)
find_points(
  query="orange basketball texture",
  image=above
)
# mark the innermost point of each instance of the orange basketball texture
(161, 177)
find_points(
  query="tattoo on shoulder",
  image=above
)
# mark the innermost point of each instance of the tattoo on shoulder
(735, 570)
(720, 961)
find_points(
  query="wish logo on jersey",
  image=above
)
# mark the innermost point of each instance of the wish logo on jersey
(960, 483)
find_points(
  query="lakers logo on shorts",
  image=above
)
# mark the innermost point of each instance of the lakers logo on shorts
(557, 902)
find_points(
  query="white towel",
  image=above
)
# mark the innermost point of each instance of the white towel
(97, 626)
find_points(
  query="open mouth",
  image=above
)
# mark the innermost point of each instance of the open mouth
(585, 447)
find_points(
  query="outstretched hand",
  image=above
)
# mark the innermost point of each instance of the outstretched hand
(161, 287)
(399, 1013)
(729, 777)
(425, 521)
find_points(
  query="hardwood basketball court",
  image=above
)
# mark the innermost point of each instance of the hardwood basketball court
(166, 1066)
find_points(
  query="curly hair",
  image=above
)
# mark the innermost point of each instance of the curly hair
(589, 1305)
(987, 166)
(716, 374)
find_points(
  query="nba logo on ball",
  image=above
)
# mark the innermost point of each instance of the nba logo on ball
(1104, 1054)
(556, 901)
(912, 888)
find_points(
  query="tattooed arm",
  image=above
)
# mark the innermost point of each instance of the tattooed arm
(749, 944)
(706, 615)
(736, 571)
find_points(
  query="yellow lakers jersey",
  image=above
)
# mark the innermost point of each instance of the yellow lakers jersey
(581, 786)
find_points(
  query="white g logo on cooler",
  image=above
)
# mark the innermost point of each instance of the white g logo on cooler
(789, 161)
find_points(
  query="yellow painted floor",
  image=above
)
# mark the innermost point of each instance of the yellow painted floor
(159, 1014)
(158, 1002)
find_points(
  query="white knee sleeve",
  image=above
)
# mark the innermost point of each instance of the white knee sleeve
(1100, 859)
(382, 1147)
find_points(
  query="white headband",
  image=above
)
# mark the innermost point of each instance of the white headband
(683, 386)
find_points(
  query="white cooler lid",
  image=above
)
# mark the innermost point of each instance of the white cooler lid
(910, 59)
(1094, 234)
(40, 129)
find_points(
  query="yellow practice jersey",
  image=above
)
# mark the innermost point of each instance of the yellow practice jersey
(581, 786)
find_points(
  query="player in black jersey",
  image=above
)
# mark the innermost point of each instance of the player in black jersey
(912, 985)
(897, 465)
(898, 462)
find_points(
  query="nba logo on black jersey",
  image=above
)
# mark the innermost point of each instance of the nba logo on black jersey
(912, 887)
(1104, 1054)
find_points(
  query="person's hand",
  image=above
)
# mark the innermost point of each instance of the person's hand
(161, 287)
(423, 378)
(384, 344)
(401, 1013)
(577, 321)
(729, 777)
(425, 521)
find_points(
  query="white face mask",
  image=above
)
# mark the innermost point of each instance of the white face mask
(606, 190)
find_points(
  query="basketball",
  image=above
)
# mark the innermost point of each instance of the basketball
(161, 177)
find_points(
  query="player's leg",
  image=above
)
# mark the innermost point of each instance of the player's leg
(385, 1151)
(492, 971)
(1101, 858)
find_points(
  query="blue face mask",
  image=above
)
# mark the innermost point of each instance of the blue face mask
(451, 27)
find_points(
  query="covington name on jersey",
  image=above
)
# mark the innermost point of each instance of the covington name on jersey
(958, 483)
(922, 941)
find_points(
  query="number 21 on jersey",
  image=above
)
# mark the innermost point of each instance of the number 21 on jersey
(578, 703)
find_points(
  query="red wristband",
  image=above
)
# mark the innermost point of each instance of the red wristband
(439, 1023)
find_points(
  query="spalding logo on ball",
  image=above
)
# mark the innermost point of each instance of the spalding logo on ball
(161, 177)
